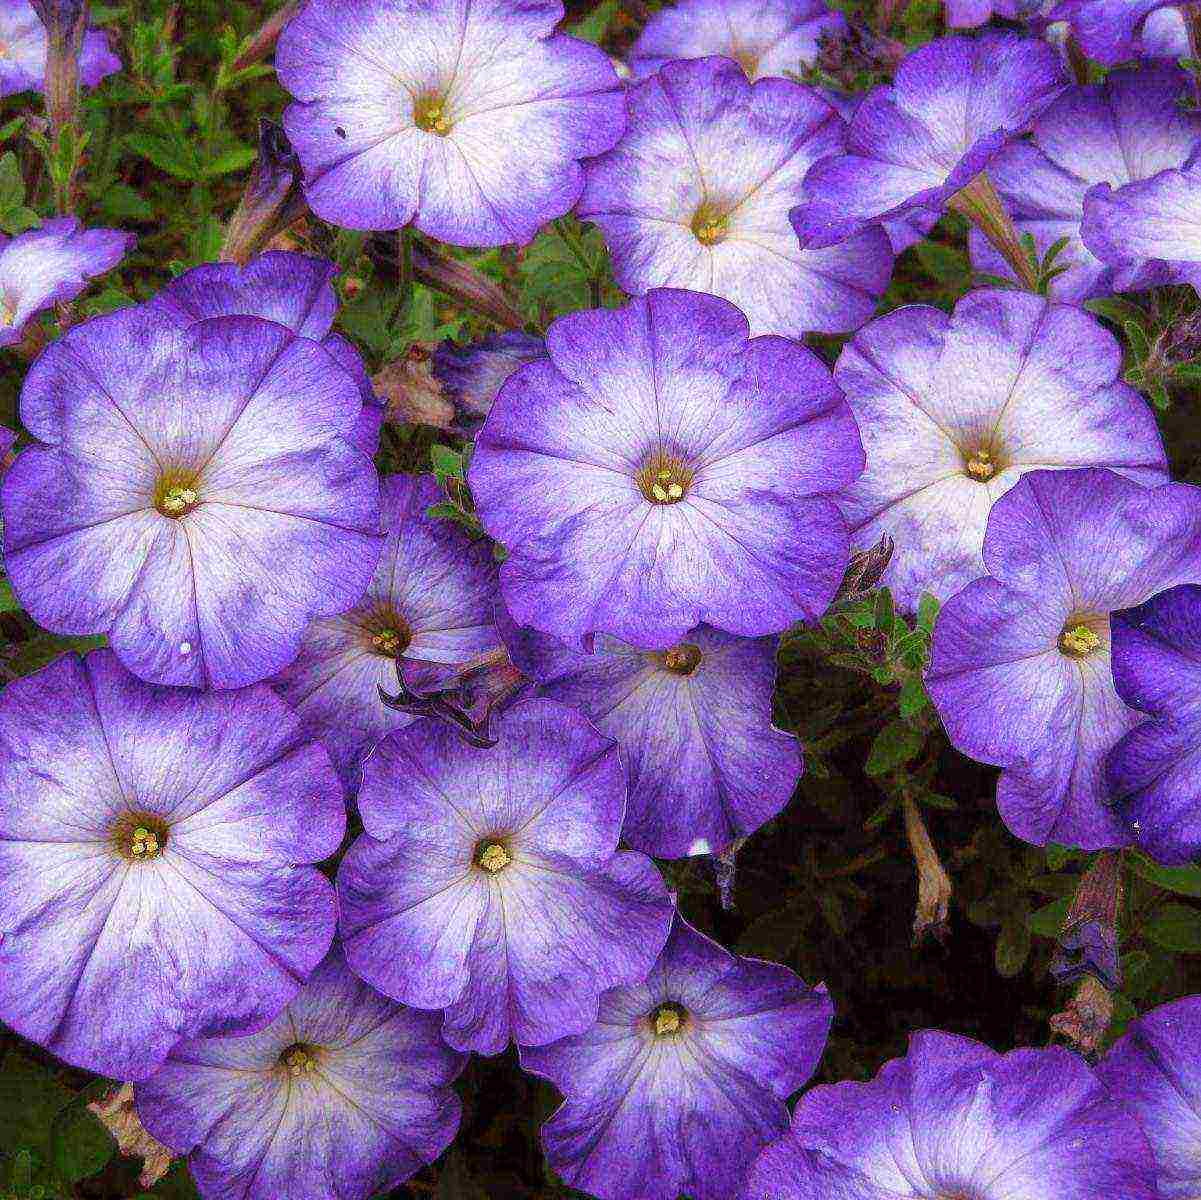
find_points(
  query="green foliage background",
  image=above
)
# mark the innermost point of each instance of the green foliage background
(828, 887)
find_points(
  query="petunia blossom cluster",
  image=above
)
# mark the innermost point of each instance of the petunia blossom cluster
(360, 772)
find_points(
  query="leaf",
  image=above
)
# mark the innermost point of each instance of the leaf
(119, 202)
(1013, 946)
(174, 156)
(12, 186)
(447, 462)
(927, 611)
(1176, 927)
(236, 158)
(944, 263)
(895, 744)
(559, 268)
(8, 599)
(1185, 881)
(30, 1098)
(596, 24)
(773, 935)
(80, 1145)
(913, 697)
(1048, 920)
(882, 616)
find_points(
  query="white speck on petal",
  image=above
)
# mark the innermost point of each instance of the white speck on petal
(700, 846)
(185, 647)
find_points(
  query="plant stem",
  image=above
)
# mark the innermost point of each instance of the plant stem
(979, 202)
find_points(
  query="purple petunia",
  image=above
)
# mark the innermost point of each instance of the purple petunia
(430, 605)
(149, 842)
(342, 1097)
(23, 46)
(295, 290)
(658, 471)
(51, 265)
(776, 37)
(471, 376)
(1154, 772)
(1155, 1070)
(955, 1119)
(705, 764)
(1154, 218)
(1111, 31)
(679, 209)
(683, 1078)
(913, 144)
(193, 494)
(954, 409)
(1130, 127)
(467, 120)
(488, 884)
(1020, 668)
(967, 14)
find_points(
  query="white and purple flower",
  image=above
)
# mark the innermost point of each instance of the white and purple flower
(468, 120)
(955, 1119)
(343, 1096)
(295, 290)
(23, 49)
(1111, 31)
(683, 1078)
(1128, 128)
(429, 606)
(1020, 661)
(705, 764)
(488, 882)
(659, 471)
(698, 191)
(193, 493)
(765, 37)
(954, 409)
(913, 144)
(1154, 772)
(471, 376)
(1155, 1070)
(51, 265)
(153, 851)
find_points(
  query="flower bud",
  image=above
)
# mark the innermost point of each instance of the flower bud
(273, 198)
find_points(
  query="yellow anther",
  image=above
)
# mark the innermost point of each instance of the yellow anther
(709, 225)
(1078, 641)
(178, 500)
(667, 1021)
(387, 642)
(429, 114)
(494, 857)
(298, 1060)
(664, 479)
(143, 843)
(981, 466)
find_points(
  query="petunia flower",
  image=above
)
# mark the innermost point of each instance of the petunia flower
(295, 290)
(955, 1119)
(678, 208)
(1020, 668)
(779, 37)
(705, 764)
(1111, 31)
(153, 844)
(343, 1096)
(51, 265)
(1130, 127)
(467, 120)
(23, 44)
(684, 1077)
(968, 14)
(658, 471)
(1155, 1071)
(1154, 772)
(487, 883)
(471, 376)
(954, 409)
(1154, 218)
(430, 605)
(193, 494)
(920, 141)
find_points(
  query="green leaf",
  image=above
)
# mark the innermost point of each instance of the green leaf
(12, 186)
(773, 935)
(119, 202)
(80, 1145)
(895, 744)
(1176, 927)
(174, 156)
(882, 617)
(447, 462)
(596, 24)
(1048, 920)
(1186, 881)
(1013, 946)
(913, 697)
(8, 600)
(945, 263)
(236, 158)
(927, 611)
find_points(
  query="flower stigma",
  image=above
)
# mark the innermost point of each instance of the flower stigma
(299, 1059)
(710, 225)
(664, 479)
(429, 114)
(1078, 640)
(981, 465)
(139, 837)
(492, 857)
(682, 659)
(175, 495)
(668, 1020)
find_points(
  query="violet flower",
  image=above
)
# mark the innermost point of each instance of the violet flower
(467, 121)
(658, 471)
(23, 50)
(488, 882)
(1020, 660)
(679, 209)
(471, 376)
(1111, 31)
(955, 1119)
(153, 844)
(954, 409)
(684, 1077)
(343, 1096)
(192, 493)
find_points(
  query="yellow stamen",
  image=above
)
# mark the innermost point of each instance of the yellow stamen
(429, 114)
(178, 500)
(981, 466)
(494, 857)
(664, 479)
(667, 1020)
(683, 659)
(710, 225)
(1078, 641)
